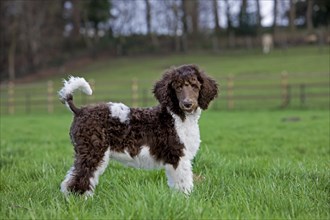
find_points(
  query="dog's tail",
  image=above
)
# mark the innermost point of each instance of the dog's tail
(74, 83)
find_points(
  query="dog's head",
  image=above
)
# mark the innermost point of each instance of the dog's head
(184, 89)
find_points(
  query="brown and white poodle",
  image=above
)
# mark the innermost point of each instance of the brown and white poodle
(165, 136)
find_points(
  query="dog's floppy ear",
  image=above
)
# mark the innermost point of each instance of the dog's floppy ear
(163, 89)
(209, 89)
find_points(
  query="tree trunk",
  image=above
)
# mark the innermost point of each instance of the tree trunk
(11, 58)
(153, 37)
(229, 21)
(231, 34)
(189, 21)
(175, 10)
(194, 16)
(275, 18)
(243, 13)
(292, 16)
(184, 15)
(309, 14)
(258, 17)
(216, 17)
(148, 16)
(185, 25)
(216, 32)
(76, 19)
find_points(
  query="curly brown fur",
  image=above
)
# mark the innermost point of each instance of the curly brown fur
(123, 131)
(165, 93)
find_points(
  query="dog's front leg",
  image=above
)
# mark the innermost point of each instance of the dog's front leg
(180, 177)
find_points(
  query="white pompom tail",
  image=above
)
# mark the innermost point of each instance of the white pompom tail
(73, 84)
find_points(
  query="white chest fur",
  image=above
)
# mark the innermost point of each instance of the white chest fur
(188, 132)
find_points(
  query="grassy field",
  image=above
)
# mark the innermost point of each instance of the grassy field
(294, 60)
(300, 60)
(256, 165)
(113, 79)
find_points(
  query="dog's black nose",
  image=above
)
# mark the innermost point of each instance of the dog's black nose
(187, 104)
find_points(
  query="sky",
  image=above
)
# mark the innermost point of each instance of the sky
(138, 25)
(266, 7)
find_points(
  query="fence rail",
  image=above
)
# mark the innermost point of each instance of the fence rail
(248, 92)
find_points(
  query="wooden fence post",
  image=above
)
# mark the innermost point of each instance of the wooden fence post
(230, 92)
(50, 90)
(135, 94)
(284, 89)
(11, 98)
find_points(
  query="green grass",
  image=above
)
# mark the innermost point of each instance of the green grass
(113, 77)
(256, 165)
(299, 60)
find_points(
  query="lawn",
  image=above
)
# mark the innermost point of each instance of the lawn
(256, 165)
(299, 60)
(260, 89)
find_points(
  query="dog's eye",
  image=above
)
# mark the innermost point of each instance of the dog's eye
(195, 86)
(179, 88)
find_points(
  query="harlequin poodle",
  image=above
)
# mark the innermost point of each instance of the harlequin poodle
(165, 136)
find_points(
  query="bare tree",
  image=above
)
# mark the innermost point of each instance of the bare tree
(34, 28)
(121, 24)
(148, 16)
(275, 16)
(230, 31)
(216, 31)
(175, 9)
(292, 16)
(258, 16)
(194, 16)
(184, 19)
(10, 20)
(190, 20)
(228, 15)
(168, 21)
(216, 16)
(152, 35)
(243, 13)
(76, 18)
(309, 14)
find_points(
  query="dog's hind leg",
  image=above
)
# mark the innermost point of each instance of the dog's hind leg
(83, 177)
(94, 180)
(66, 181)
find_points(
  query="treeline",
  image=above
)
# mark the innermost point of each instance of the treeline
(40, 33)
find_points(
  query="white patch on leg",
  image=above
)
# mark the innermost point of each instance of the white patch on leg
(94, 180)
(120, 111)
(66, 181)
(180, 178)
(144, 160)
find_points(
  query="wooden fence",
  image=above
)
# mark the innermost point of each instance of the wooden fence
(246, 92)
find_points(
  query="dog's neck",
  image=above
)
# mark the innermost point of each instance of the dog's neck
(188, 132)
(190, 116)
